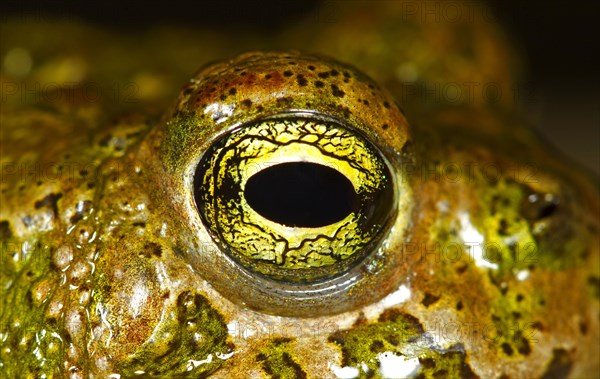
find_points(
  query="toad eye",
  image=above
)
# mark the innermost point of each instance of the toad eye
(283, 171)
(295, 199)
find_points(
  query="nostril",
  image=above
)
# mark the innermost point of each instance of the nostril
(539, 206)
(301, 194)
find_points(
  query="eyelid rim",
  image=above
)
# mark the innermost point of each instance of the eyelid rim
(346, 291)
(185, 135)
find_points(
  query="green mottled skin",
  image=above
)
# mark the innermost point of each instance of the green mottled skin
(105, 270)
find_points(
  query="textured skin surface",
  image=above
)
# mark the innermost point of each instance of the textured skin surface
(490, 268)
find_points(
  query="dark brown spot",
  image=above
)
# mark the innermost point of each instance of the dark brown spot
(287, 73)
(537, 325)
(376, 346)
(323, 75)
(429, 299)
(232, 91)
(385, 126)
(222, 97)
(560, 365)
(277, 341)
(187, 90)
(345, 110)
(392, 339)
(49, 201)
(360, 320)
(583, 328)
(508, 350)
(76, 217)
(338, 338)
(5, 232)
(503, 227)
(247, 103)
(268, 76)
(154, 249)
(67, 337)
(301, 80)
(334, 72)
(459, 306)
(311, 68)
(427, 363)
(285, 99)
(408, 319)
(386, 104)
(336, 91)
(104, 141)
(319, 84)
(289, 362)
(522, 344)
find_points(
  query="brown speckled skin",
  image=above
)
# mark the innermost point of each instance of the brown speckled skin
(107, 269)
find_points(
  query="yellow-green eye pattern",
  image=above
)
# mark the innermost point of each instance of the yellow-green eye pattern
(283, 247)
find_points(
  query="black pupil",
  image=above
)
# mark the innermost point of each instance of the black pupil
(301, 194)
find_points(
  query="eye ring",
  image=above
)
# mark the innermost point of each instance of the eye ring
(228, 97)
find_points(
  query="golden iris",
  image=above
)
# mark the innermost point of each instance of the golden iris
(295, 197)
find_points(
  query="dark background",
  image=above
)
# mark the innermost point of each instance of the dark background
(559, 40)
